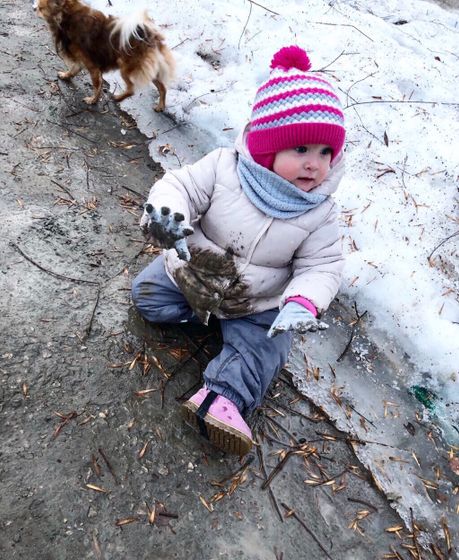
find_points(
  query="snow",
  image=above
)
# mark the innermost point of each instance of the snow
(395, 67)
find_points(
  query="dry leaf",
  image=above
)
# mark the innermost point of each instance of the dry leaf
(166, 149)
(97, 488)
(134, 361)
(144, 392)
(95, 466)
(447, 535)
(395, 529)
(206, 504)
(126, 521)
(151, 514)
(143, 450)
(218, 496)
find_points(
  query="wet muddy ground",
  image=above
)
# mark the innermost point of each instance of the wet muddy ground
(95, 461)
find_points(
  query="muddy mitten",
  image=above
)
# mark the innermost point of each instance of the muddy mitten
(167, 229)
(295, 317)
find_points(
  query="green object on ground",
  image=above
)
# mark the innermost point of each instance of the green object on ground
(425, 396)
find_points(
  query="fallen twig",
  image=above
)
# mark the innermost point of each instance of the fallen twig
(296, 412)
(95, 466)
(357, 82)
(291, 513)
(283, 444)
(397, 101)
(133, 191)
(436, 551)
(110, 468)
(363, 502)
(245, 26)
(361, 415)
(89, 327)
(96, 548)
(343, 25)
(73, 131)
(442, 243)
(415, 539)
(354, 326)
(50, 272)
(168, 514)
(187, 107)
(243, 467)
(277, 469)
(350, 439)
(65, 189)
(65, 419)
(270, 490)
(330, 63)
(279, 425)
(366, 129)
(131, 260)
(264, 8)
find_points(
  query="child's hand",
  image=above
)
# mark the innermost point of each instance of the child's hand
(295, 317)
(166, 229)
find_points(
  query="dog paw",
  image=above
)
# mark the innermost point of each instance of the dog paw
(63, 75)
(159, 108)
(90, 100)
(123, 95)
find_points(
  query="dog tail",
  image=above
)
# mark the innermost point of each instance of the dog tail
(130, 29)
(158, 62)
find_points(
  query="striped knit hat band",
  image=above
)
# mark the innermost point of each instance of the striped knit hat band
(293, 108)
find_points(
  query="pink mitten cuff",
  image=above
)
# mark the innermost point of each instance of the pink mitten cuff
(304, 302)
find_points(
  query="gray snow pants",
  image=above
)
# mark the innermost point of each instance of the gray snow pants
(249, 360)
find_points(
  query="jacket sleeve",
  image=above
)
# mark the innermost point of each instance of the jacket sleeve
(317, 265)
(187, 190)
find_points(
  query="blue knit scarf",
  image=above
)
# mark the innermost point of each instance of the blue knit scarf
(272, 194)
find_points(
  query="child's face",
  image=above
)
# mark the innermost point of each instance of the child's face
(306, 166)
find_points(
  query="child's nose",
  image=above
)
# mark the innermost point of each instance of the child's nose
(311, 162)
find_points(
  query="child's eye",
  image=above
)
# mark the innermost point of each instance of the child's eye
(326, 152)
(301, 149)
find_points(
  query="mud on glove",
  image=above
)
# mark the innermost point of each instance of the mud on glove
(295, 317)
(166, 229)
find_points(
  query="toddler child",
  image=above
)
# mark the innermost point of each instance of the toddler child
(250, 231)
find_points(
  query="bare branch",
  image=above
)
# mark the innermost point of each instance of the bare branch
(342, 25)
(398, 101)
(245, 27)
(264, 8)
(442, 243)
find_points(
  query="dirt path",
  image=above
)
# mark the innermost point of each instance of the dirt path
(89, 466)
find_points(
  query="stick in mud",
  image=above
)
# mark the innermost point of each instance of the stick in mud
(291, 513)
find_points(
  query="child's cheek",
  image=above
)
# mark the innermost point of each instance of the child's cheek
(284, 168)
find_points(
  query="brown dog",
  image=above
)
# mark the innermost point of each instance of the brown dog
(88, 38)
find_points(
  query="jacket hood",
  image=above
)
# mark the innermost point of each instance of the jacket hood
(328, 186)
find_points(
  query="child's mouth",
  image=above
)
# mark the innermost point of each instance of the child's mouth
(305, 183)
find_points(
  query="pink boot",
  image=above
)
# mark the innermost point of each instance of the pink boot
(218, 419)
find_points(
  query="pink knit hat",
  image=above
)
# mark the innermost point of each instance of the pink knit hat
(292, 108)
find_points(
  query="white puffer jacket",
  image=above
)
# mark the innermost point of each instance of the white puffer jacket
(244, 261)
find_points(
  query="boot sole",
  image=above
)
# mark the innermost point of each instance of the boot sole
(221, 435)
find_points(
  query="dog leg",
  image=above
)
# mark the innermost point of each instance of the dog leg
(162, 96)
(71, 72)
(129, 88)
(96, 78)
